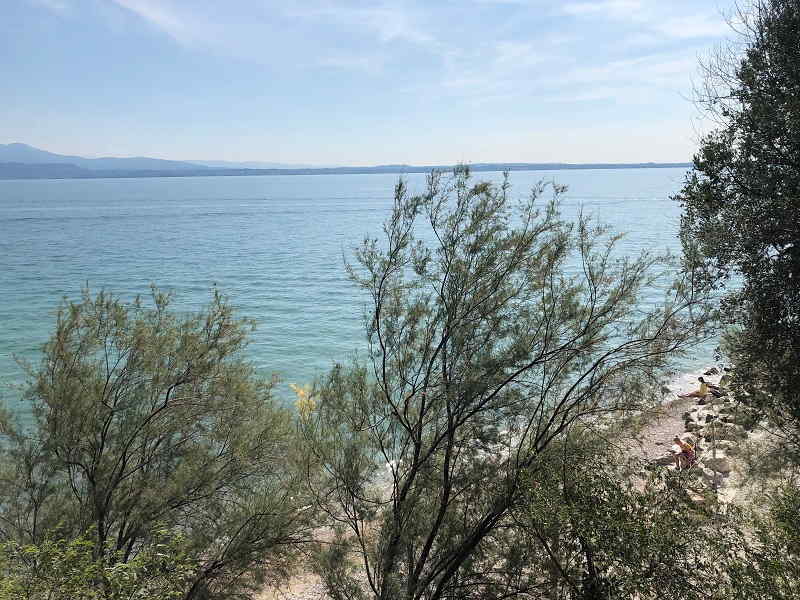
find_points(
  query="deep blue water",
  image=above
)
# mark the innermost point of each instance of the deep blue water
(274, 244)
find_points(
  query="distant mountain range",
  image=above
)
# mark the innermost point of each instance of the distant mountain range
(21, 161)
(251, 164)
(23, 153)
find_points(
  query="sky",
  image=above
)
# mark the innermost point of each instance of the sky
(358, 83)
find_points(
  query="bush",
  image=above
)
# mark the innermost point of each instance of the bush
(70, 570)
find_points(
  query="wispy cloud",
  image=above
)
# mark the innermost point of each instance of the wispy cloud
(366, 64)
(692, 26)
(658, 70)
(518, 54)
(609, 8)
(61, 7)
(160, 15)
(662, 18)
(387, 22)
(314, 33)
(465, 58)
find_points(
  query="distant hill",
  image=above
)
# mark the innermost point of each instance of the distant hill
(20, 161)
(14, 170)
(23, 153)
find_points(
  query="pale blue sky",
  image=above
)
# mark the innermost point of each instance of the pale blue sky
(357, 83)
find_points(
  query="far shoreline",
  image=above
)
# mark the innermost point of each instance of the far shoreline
(39, 171)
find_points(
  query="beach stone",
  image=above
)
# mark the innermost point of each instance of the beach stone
(733, 450)
(737, 419)
(720, 464)
(710, 477)
(725, 431)
(724, 445)
(692, 426)
(665, 460)
(712, 371)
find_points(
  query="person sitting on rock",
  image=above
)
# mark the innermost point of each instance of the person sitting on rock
(714, 390)
(684, 458)
(702, 392)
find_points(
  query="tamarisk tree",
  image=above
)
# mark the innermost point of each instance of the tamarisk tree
(493, 327)
(145, 420)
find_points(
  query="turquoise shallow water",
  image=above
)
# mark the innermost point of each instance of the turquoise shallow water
(274, 244)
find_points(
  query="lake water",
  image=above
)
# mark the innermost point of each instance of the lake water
(274, 244)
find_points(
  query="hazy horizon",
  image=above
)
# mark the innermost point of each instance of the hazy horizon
(349, 83)
(269, 165)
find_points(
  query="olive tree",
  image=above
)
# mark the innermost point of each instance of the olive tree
(741, 221)
(493, 326)
(145, 419)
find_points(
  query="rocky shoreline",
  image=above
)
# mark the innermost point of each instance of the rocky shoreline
(718, 428)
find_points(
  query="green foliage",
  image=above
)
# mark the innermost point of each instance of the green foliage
(768, 568)
(61, 570)
(596, 526)
(590, 524)
(741, 231)
(484, 348)
(144, 418)
(741, 223)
